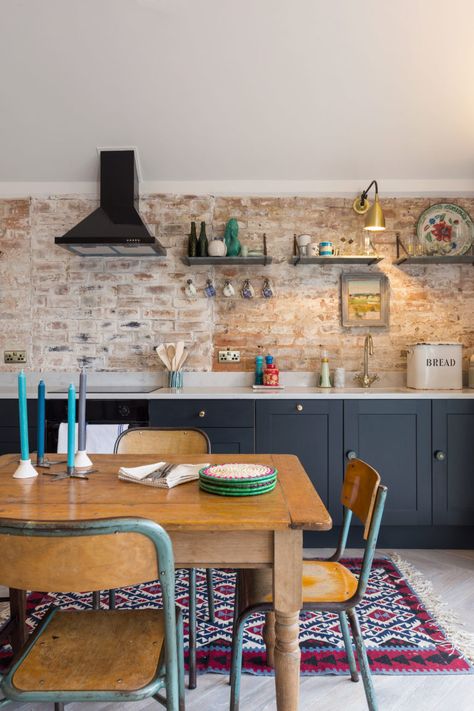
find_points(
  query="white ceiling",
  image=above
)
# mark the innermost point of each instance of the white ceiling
(234, 92)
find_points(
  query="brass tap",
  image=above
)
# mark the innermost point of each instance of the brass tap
(364, 379)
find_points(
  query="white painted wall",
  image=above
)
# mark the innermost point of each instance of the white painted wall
(245, 95)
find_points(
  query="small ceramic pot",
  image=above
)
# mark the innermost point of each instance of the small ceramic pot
(216, 248)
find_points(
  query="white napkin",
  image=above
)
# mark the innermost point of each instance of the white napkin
(149, 474)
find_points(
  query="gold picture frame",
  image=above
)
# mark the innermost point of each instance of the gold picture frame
(364, 300)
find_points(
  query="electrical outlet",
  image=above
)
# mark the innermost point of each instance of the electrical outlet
(229, 356)
(14, 356)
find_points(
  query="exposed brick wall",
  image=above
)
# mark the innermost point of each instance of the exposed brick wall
(110, 313)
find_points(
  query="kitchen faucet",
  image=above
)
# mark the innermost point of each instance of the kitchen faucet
(364, 378)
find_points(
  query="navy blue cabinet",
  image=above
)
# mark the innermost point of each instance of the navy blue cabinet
(228, 423)
(311, 429)
(394, 436)
(9, 426)
(453, 462)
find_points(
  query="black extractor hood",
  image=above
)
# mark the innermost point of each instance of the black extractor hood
(115, 229)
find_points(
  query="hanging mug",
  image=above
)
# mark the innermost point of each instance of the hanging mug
(209, 289)
(190, 289)
(228, 289)
(247, 290)
(267, 289)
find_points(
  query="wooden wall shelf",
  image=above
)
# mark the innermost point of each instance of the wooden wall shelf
(349, 259)
(226, 261)
(424, 260)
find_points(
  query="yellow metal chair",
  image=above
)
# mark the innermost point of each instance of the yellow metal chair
(327, 584)
(165, 441)
(94, 655)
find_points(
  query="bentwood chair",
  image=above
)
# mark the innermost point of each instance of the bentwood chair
(165, 441)
(327, 584)
(94, 655)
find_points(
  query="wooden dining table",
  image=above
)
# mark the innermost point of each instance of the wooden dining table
(207, 531)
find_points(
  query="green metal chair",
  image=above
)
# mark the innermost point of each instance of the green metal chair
(94, 655)
(327, 584)
(172, 440)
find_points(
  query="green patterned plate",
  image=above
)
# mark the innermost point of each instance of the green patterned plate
(232, 491)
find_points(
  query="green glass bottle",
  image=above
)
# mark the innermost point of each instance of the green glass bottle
(202, 243)
(192, 241)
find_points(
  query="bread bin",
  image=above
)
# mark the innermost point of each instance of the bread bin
(434, 366)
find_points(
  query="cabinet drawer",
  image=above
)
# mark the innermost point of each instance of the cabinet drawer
(202, 413)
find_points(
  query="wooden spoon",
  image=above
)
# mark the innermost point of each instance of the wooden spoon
(171, 351)
(161, 352)
(179, 354)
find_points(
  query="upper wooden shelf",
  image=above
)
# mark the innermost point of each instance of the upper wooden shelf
(227, 261)
(435, 259)
(349, 259)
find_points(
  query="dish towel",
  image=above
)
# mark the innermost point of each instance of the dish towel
(100, 439)
(161, 474)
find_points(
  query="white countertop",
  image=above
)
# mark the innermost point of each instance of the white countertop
(220, 386)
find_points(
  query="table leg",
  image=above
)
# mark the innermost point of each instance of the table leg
(18, 614)
(269, 638)
(287, 596)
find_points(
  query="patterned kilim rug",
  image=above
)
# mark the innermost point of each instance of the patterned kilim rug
(401, 634)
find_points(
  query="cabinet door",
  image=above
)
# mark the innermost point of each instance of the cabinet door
(453, 462)
(311, 429)
(231, 440)
(10, 428)
(228, 423)
(394, 436)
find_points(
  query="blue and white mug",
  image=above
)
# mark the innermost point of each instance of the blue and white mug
(326, 249)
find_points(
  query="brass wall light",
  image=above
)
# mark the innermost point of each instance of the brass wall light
(374, 219)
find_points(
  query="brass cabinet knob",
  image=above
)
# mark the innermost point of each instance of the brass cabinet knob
(202, 413)
(440, 455)
(299, 407)
(351, 454)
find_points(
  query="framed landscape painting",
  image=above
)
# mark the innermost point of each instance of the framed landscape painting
(364, 299)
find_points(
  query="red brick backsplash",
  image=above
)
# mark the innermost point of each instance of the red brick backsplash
(111, 313)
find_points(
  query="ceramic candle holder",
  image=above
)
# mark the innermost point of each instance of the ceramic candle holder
(25, 470)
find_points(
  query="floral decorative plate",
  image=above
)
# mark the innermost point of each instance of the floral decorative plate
(445, 229)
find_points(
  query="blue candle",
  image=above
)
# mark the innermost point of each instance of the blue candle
(41, 418)
(71, 425)
(22, 406)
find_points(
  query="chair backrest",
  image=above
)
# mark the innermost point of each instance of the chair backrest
(359, 490)
(163, 441)
(84, 555)
(363, 495)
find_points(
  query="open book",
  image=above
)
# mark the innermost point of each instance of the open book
(161, 474)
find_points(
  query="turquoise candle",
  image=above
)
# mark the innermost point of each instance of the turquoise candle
(22, 407)
(41, 418)
(71, 425)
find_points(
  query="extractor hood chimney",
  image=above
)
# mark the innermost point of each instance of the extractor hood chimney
(115, 229)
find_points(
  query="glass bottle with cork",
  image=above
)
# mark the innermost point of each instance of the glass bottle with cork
(192, 241)
(202, 242)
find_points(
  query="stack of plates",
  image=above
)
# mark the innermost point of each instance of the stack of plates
(237, 479)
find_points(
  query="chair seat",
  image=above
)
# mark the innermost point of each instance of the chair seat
(324, 581)
(96, 650)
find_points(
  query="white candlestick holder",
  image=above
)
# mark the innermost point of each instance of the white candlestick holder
(82, 461)
(25, 470)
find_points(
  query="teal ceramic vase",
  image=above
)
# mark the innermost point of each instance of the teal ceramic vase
(231, 238)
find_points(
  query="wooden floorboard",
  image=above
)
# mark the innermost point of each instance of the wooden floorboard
(452, 576)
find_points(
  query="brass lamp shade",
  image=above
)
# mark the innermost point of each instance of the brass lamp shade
(374, 220)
